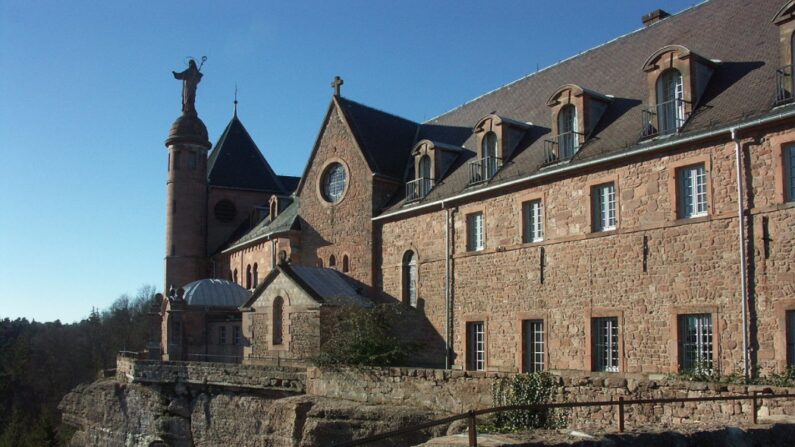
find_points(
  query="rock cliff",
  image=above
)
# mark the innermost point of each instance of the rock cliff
(110, 413)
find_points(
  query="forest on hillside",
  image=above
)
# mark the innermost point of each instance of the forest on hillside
(41, 362)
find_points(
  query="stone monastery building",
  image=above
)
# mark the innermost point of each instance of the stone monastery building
(630, 209)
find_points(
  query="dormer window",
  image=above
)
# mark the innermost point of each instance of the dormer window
(677, 78)
(786, 28)
(575, 113)
(498, 137)
(431, 162)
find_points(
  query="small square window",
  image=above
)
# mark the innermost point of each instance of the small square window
(692, 191)
(695, 342)
(476, 346)
(789, 173)
(222, 335)
(533, 345)
(605, 344)
(533, 212)
(475, 232)
(604, 207)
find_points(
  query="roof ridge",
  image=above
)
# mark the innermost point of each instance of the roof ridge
(378, 110)
(562, 61)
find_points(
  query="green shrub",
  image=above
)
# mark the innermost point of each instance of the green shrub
(365, 337)
(525, 389)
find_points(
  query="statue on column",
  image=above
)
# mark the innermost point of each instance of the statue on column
(190, 79)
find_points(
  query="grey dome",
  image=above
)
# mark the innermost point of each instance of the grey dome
(188, 129)
(215, 293)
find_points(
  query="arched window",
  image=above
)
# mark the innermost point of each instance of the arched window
(256, 275)
(490, 163)
(670, 101)
(234, 277)
(231, 276)
(567, 126)
(248, 276)
(278, 313)
(410, 278)
(332, 262)
(345, 264)
(425, 167)
(424, 177)
(319, 262)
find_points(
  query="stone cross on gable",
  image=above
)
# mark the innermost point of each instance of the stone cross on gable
(337, 83)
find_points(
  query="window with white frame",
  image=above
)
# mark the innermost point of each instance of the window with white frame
(692, 188)
(605, 341)
(790, 315)
(410, 278)
(533, 221)
(533, 345)
(789, 172)
(695, 342)
(604, 207)
(670, 102)
(476, 346)
(475, 232)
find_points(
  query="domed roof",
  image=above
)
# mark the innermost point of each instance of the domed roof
(188, 128)
(215, 293)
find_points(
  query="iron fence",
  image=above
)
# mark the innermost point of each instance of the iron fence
(483, 169)
(562, 147)
(664, 118)
(621, 403)
(417, 189)
(784, 86)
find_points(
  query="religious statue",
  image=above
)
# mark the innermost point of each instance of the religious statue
(190, 79)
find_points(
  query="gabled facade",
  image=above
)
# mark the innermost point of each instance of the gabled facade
(629, 210)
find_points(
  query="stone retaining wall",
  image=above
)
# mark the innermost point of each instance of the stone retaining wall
(131, 370)
(460, 391)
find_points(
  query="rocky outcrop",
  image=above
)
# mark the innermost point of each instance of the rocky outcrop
(109, 413)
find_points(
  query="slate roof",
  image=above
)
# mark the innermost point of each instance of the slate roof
(285, 221)
(236, 162)
(737, 34)
(324, 285)
(289, 183)
(215, 293)
(385, 139)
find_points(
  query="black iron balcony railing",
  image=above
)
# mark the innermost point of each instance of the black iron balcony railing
(482, 170)
(562, 147)
(784, 85)
(664, 118)
(417, 189)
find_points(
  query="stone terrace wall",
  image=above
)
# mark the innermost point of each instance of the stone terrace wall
(460, 391)
(220, 374)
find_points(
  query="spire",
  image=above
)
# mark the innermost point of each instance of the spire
(235, 99)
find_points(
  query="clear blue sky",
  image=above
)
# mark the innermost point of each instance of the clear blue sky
(87, 98)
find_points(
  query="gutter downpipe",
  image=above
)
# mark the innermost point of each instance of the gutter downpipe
(446, 287)
(743, 261)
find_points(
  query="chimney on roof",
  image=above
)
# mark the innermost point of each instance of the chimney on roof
(654, 17)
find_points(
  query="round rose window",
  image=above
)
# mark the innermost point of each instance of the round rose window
(334, 183)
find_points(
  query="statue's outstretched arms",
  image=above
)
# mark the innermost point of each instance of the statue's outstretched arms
(177, 75)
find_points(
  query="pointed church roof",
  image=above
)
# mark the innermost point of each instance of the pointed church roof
(236, 162)
(385, 139)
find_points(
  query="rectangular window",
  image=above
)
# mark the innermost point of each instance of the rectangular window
(475, 239)
(695, 342)
(789, 173)
(604, 207)
(605, 339)
(236, 335)
(176, 331)
(476, 346)
(790, 337)
(222, 335)
(533, 345)
(533, 221)
(692, 191)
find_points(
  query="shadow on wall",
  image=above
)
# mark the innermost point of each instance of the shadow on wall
(416, 328)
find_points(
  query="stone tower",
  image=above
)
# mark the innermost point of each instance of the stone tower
(186, 205)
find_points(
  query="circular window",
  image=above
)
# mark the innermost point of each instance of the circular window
(225, 211)
(334, 183)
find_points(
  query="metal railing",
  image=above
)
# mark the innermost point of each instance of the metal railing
(664, 118)
(562, 147)
(621, 403)
(417, 189)
(784, 87)
(483, 169)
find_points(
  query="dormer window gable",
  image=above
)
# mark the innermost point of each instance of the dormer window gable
(575, 114)
(497, 138)
(432, 160)
(676, 80)
(785, 21)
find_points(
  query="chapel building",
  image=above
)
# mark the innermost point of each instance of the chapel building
(629, 209)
